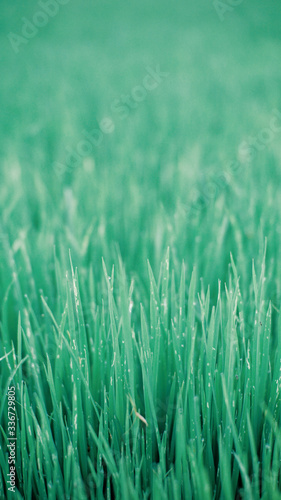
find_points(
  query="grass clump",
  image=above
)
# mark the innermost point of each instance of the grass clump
(170, 397)
(139, 303)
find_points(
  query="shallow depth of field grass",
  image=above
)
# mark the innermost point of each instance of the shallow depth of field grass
(140, 289)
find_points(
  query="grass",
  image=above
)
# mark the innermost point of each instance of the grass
(140, 327)
(187, 404)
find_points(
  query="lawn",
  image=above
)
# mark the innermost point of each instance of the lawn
(140, 243)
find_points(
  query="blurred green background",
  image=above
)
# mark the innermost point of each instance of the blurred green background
(136, 188)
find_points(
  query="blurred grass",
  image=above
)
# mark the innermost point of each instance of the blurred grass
(132, 194)
(223, 82)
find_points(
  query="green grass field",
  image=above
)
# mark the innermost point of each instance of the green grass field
(140, 250)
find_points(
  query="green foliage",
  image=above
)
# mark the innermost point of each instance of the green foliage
(201, 413)
(140, 286)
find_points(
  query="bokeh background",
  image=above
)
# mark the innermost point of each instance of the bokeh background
(141, 189)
